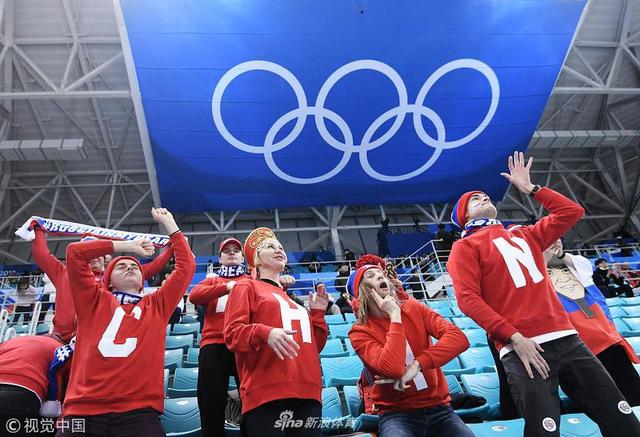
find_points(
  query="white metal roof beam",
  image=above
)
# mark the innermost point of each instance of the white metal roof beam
(102, 94)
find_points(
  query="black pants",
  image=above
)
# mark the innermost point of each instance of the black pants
(216, 364)
(621, 369)
(26, 310)
(136, 423)
(46, 304)
(583, 379)
(17, 406)
(272, 419)
(176, 317)
(508, 408)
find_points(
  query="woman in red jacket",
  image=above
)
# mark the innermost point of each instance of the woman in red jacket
(277, 344)
(392, 338)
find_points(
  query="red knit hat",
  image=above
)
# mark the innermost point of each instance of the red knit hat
(459, 213)
(359, 274)
(369, 258)
(106, 277)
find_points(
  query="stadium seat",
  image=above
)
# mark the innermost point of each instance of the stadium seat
(233, 385)
(617, 312)
(465, 323)
(629, 301)
(486, 385)
(453, 368)
(614, 302)
(456, 388)
(635, 344)
(637, 366)
(352, 399)
(185, 384)
(633, 326)
(350, 317)
(349, 347)
(172, 359)
(166, 381)
(332, 417)
(334, 319)
(193, 354)
(456, 312)
(21, 329)
(198, 338)
(333, 348)
(499, 428)
(181, 417)
(186, 328)
(438, 304)
(189, 319)
(578, 425)
(43, 328)
(621, 325)
(339, 331)
(633, 311)
(478, 358)
(341, 371)
(476, 337)
(444, 312)
(183, 342)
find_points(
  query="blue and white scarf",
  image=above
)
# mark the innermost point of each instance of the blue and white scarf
(123, 297)
(474, 225)
(60, 227)
(231, 271)
(51, 407)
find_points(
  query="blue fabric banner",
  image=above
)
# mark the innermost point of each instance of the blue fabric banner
(261, 104)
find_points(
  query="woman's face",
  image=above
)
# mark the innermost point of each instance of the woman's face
(271, 255)
(375, 279)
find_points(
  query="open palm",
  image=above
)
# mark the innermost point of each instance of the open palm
(519, 172)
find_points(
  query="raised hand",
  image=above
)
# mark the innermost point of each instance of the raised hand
(143, 248)
(519, 172)
(388, 305)
(282, 343)
(163, 217)
(319, 300)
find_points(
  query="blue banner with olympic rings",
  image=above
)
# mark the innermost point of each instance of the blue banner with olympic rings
(263, 104)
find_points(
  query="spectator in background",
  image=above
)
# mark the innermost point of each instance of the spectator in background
(632, 276)
(625, 249)
(350, 257)
(314, 266)
(340, 284)
(383, 244)
(447, 238)
(48, 297)
(25, 298)
(610, 282)
(416, 285)
(344, 302)
(332, 308)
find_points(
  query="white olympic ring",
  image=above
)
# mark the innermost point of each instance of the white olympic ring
(347, 145)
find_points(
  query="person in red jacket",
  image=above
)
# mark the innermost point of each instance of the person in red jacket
(277, 344)
(116, 382)
(499, 276)
(64, 315)
(216, 363)
(392, 337)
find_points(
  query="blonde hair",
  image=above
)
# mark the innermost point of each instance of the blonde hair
(365, 300)
(256, 254)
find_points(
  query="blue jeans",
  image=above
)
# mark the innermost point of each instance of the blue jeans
(438, 421)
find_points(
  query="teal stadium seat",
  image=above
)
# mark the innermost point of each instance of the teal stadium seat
(187, 318)
(630, 301)
(349, 347)
(456, 312)
(633, 324)
(456, 388)
(340, 331)
(453, 368)
(233, 385)
(172, 359)
(438, 304)
(333, 420)
(43, 328)
(614, 302)
(186, 328)
(350, 317)
(478, 358)
(632, 311)
(476, 337)
(341, 371)
(334, 319)
(499, 428)
(486, 385)
(444, 312)
(185, 383)
(617, 312)
(578, 425)
(183, 342)
(193, 354)
(181, 417)
(198, 339)
(465, 323)
(635, 344)
(21, 329)
(333, 348)
(621, 325)
(166, 381)
(363, 422)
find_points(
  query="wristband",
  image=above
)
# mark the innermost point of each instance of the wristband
(534, 190)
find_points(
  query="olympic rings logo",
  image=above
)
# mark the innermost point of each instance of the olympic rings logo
(348, 145)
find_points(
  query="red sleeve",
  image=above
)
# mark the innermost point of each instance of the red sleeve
(386, 359)
(168, 296)
(82, 282)
(240, 335)
(451, 340)
(47, 262)
(154, 267)
(208, 290)
(564, 214)
(464, 267)
(320, 329)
